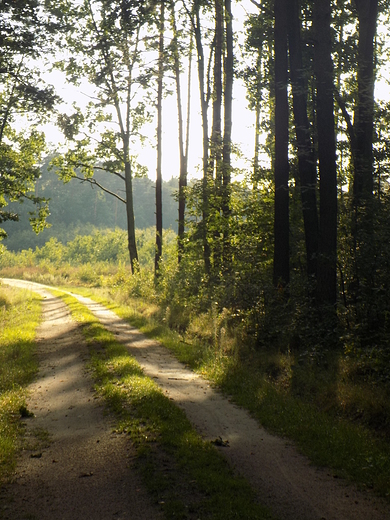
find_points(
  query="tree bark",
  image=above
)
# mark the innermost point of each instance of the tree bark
(256, 167)
(159, 222)
(132, 244)
(124, 126)
(326, 153)
(363, 227)
(183, 140)
(204, 101)
(281, 273)
(216, 133)
(306, 160)
(227, 133)
(364, 114)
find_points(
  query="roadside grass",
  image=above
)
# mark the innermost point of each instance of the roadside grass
(20, 312)
(280, 394)
(185, 474)
(336, 420)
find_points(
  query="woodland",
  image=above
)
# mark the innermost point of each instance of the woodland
(281, 268)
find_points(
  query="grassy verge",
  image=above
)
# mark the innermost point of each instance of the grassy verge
(282, 398)
(352, 450)
(19, 318)
(186, 475)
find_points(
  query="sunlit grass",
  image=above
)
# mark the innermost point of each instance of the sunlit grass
(19, 318)
(320, 409)
(278, 393)
(184, 473)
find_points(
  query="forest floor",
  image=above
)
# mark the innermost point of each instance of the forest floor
(84, 470)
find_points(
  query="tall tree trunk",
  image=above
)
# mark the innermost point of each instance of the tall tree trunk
(327, 289)
(227, 133)
(132, 244)
(125, 131)
(204, 101)
(183, 140)
(363, 228)
(158, 253)
(256, 168)
(281, 225)
(216, 133)
(364, 112)
(215, 168)
(306, 161)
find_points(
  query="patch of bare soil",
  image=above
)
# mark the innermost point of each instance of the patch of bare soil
(283, 479)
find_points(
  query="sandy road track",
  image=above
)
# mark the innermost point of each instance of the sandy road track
(85, 471)
(284, 479)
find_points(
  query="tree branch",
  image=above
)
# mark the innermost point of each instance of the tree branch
(83, 165)
(94, 182)
(347, 118)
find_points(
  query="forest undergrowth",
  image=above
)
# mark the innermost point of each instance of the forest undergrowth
(303, 374)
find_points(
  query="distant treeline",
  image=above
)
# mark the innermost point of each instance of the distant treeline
(78, 208)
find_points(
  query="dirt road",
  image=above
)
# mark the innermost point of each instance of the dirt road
(84, 472)
(284, 480)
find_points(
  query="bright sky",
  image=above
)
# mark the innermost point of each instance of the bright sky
(243, 129)
(243, 119)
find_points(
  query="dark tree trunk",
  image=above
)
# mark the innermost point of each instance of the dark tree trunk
(326, 153)
(306, 160)
(183, 139)
(256, 168)
(159, 223)
(364, 113)
(204, 113)
(216, 144)
(132, 244)
(363, 228)
(183, 158)
(281, 225)
(227, 134)
(215, 168)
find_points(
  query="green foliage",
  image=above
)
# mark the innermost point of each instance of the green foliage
(99, 259)
(23, 31)
(77, 208)
(19, 156)
(24, 34)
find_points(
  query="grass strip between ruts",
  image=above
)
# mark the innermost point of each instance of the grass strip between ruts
(185, 474)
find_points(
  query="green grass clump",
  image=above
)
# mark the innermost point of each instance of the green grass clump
(19, 318)
(352, 450)
(186, 475)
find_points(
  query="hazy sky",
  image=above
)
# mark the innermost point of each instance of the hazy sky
(243, 119)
